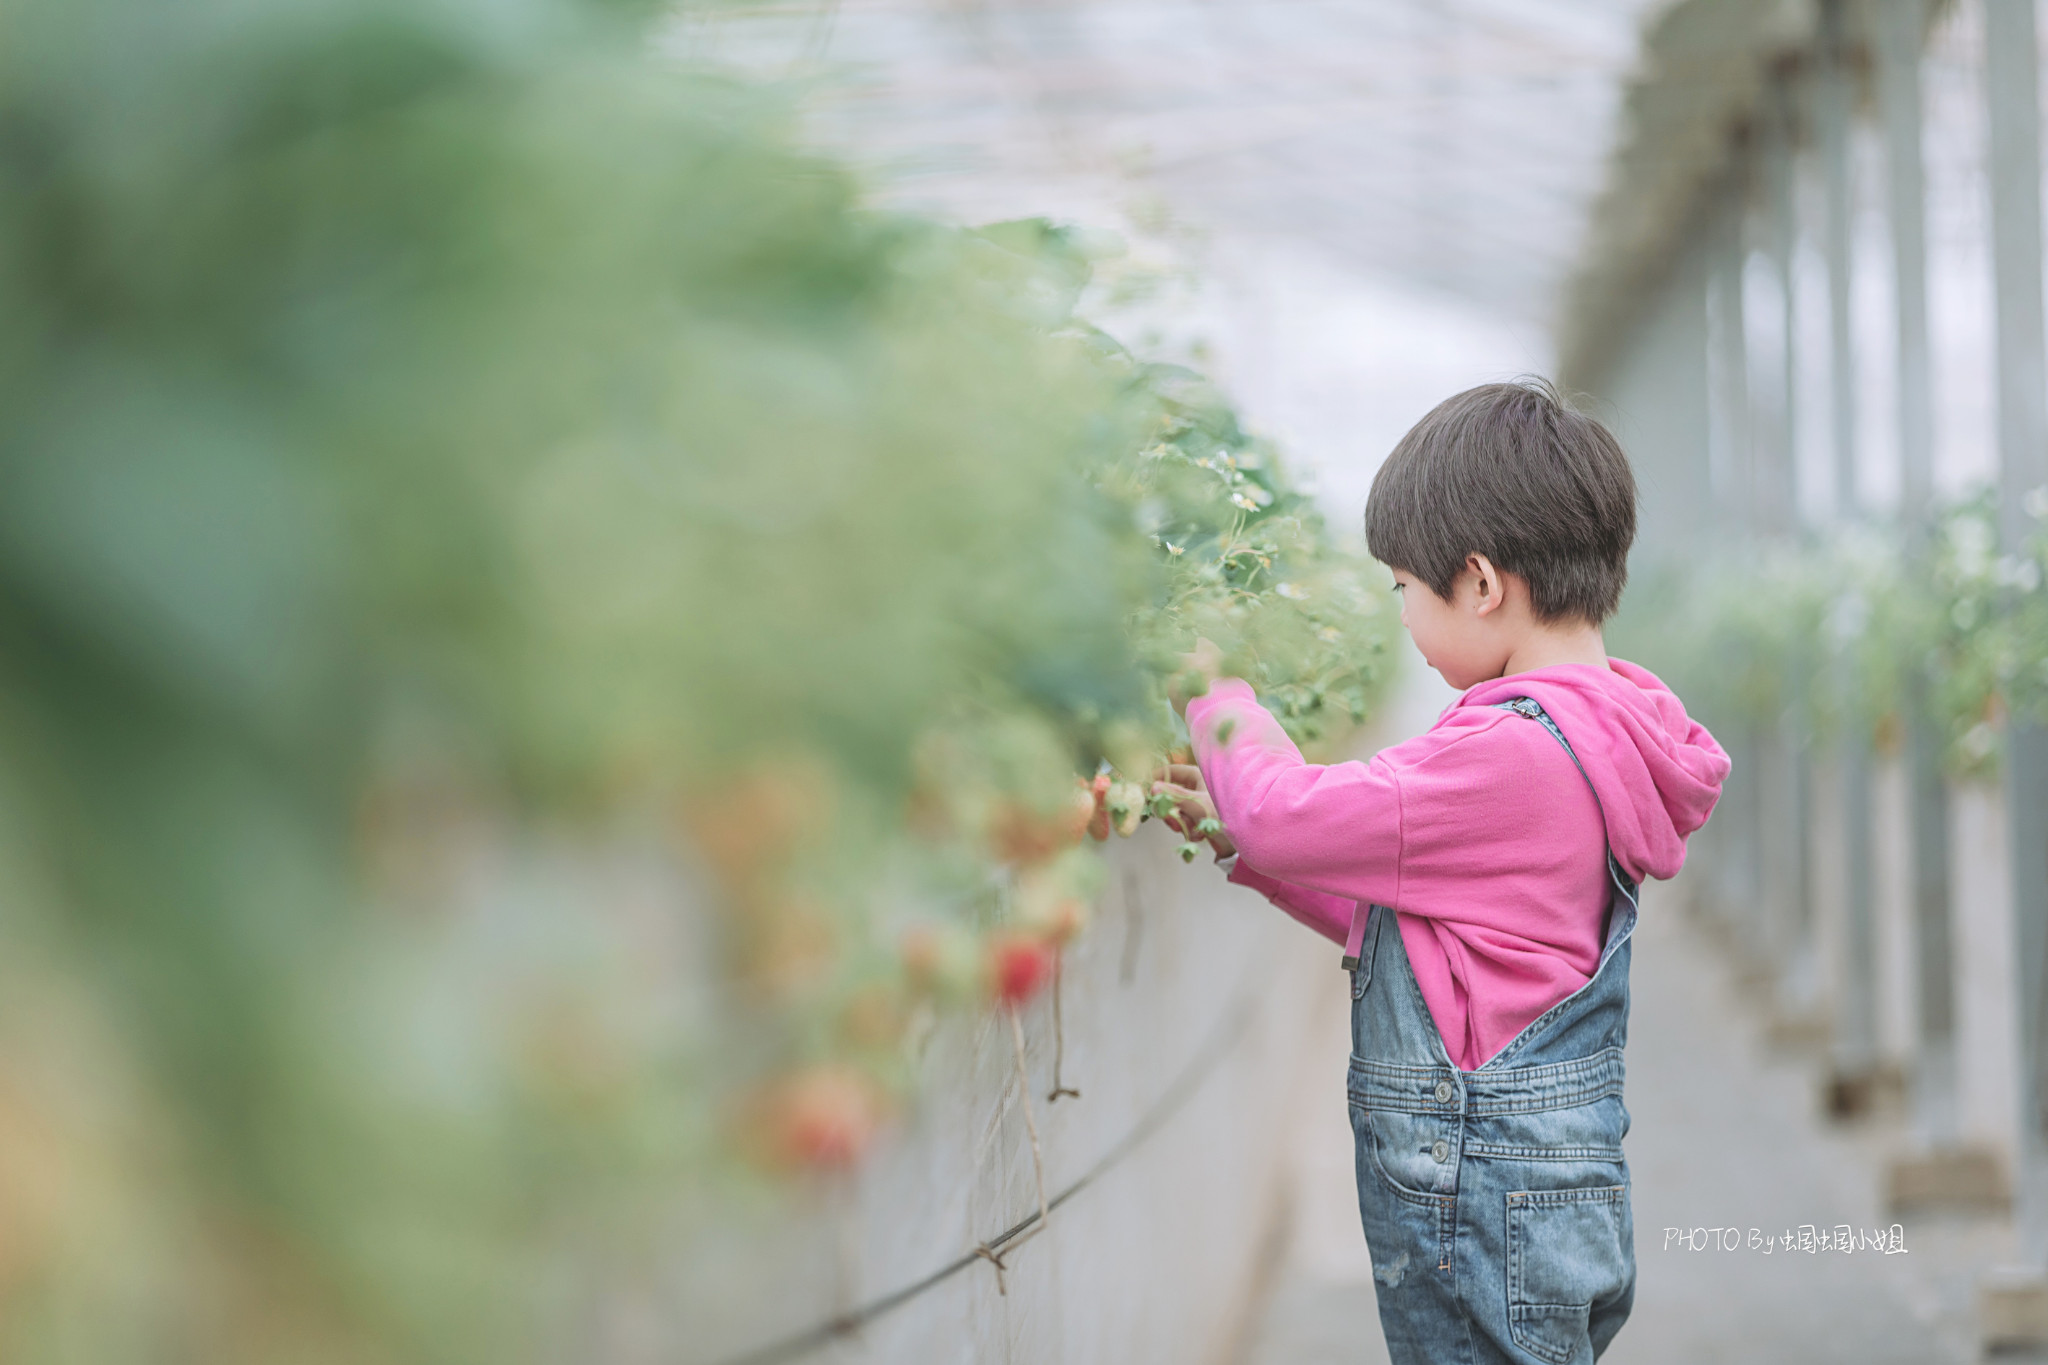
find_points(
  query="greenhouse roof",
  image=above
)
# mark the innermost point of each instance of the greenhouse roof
(1700, 80)
(1455, 144)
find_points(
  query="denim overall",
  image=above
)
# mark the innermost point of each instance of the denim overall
(1495, 1201)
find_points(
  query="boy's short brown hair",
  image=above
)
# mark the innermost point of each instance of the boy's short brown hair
(1512, 472)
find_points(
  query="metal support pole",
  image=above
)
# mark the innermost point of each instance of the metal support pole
(1901, 29)
(1779, 488)
(1831, 99)
(1737, 499)
(2011, 88)
(1735, 491)
(1855, 1041)
(1782, 797)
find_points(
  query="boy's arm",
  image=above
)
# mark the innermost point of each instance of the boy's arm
(1333, 829)
(1328, 915)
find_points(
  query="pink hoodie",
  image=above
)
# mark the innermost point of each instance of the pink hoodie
(1479, 832)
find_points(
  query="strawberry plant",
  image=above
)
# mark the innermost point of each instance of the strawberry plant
(542, 636)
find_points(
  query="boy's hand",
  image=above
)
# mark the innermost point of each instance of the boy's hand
(1198, 668)
(1194, 815)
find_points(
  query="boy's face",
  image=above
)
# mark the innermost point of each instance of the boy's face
(1461, 638)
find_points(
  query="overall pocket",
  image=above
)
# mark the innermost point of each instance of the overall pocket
(1408, 1152)
(1568, 1250)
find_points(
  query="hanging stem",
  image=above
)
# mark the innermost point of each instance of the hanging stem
(1030, 1126)
(840, 1196)
(1059, 1033)
(984, 1251)
(1002, 1282)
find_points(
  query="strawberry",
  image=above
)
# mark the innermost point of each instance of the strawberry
(1098, 814)
(1126, 803)
(1052, 917)
(1022, 837)
(823, 1118)
(1052, 903)
(941, 961)
(753, 819)
(1066, 918)
(1081, 813)
(1018, 967)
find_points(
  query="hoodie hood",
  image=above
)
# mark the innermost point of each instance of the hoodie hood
(1656, 771)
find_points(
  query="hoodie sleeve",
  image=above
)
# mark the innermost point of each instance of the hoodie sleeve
(1333, 829)
(1328, 915)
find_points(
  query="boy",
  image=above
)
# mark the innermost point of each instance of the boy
(1483, 880)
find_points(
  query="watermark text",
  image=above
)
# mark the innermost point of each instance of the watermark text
(1807, 1237)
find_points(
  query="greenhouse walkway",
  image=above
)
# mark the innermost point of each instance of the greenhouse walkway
(1725, 1135)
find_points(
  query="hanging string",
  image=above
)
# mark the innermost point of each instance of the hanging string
(1059, 1031)
(1229, 1029)
(985, 1253)
(1031, 1130)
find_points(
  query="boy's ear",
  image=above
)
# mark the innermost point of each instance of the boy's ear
(1489, 585)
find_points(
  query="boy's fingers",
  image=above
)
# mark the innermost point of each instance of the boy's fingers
(1190, 808)
(1180, 775)
(1204, 659)
(1186, 796)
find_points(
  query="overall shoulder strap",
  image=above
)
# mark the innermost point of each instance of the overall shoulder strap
(1528, 708)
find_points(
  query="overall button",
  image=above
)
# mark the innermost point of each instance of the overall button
(1443, 1096)
(1441, 1151)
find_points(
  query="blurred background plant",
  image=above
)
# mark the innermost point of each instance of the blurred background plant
(1830, 631)
(474, 495)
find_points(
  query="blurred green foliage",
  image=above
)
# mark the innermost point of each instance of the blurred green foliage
(473, 497)
(1842, 633)
(1250, 564)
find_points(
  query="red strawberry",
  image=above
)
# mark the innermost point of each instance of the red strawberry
(826, 1118)
(1018, 966)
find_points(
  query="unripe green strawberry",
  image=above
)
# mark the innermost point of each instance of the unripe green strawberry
(1126, 807)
